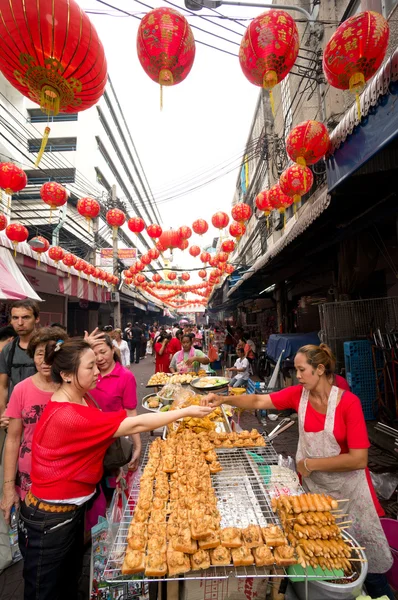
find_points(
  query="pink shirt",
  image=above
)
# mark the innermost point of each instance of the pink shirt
(116, 390)
(27, 403)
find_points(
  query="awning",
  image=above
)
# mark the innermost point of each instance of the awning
(83, 289)
(307, 214)
(152, 307)
(140, 305)
(13, 284)
(356, 139)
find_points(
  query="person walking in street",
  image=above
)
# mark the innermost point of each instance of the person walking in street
(123, 347)
(242, 370)
(162, 353)
(175, 342)
(68, 449)
(136, 340)
(27, 403)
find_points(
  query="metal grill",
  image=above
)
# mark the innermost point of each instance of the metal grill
(355, 320)
(244, 498)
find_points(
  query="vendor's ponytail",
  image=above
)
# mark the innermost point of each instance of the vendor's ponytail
(319, 355)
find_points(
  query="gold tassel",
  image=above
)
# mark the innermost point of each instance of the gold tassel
(38, 261)
(43, 145)
(272, 102)
(358, 106)
(88, 224)
(15, 248)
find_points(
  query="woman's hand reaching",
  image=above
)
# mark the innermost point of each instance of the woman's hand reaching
(197, 412)
(212, 400)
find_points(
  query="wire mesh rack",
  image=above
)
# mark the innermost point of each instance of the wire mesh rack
(243, 490)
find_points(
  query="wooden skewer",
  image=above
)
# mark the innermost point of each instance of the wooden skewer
(357, 547)
(343, 500)
(344, 523)
(345, 527)
(357, 559)
(343, 515)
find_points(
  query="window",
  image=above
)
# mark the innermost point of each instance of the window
(388, 6)
(286, 105)
(66, 144)
(38, 177)
(36, 115)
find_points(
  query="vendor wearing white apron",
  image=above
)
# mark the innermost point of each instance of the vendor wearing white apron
(188, 358)
(332, 452)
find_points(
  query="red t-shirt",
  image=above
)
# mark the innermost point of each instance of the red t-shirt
(349, 423)
(162, 364)
(68, 449)
(174, 346)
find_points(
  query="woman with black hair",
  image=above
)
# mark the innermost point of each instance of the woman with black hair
(68, 449)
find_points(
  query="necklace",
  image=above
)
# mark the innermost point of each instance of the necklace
(69, 397)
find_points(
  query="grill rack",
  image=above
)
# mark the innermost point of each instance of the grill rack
(244, 498)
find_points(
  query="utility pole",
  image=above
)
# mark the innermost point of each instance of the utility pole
(116, 305)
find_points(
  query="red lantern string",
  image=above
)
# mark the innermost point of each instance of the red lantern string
(89, 209)
(54, 194)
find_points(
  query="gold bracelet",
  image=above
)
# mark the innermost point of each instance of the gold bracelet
(9, 481)
(306, 466)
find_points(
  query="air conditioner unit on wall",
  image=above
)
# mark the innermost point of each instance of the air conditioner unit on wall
(115, 296)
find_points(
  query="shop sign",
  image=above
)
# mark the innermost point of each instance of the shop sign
(127, 255)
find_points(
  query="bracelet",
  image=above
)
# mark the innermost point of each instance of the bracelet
(306, 466)
(9, 481)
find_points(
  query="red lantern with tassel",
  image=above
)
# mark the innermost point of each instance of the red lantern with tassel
(241, 212)
(185, 276)
(228, 246)
(237, 230)
(139, 265)
(263, 203)
(54, 194)
(222, 257)
(200, 226)
(96, 273)
(279, 200)
(115, 218)
(89, 209)
(307, 143)
(88, 270)
(57, 58)
(269, 49)
(185, 232)
(56, 253)
(79, 266)
(145, 259)
(17, 233)
(153, 253)
(12, 178)
(213, 262)
(355, 52)
(194, 251)
(205, 257)
(39, 244)
(296, 181)
(229, 269)
(156, 278)
(202, 274)
(172, 276)
(128, 281)
(154, 231)
(69, 261)
(139, 279)
(220, 220)
(3, 222)
(169, 239)
(183, 245)
(136, 225)
(165, 46)
(108, 278)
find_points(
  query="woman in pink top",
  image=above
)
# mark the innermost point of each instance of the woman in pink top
(116, 388)
(28, 400)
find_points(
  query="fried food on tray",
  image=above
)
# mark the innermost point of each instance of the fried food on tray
(211, 541)
(134, 562)
(158, 379)
(242, 557)
(177, 562)
(220, 556)
(231, 537)
(200, 560)
(252, 536)
(273, 536)
(211, 456)
(263, 556)
(137, 529)
(137, 542)
(156, 543)
(215, 467)
(183, 542)
(285, 556)
(155, 564)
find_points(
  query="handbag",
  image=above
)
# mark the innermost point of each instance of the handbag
(119, 452)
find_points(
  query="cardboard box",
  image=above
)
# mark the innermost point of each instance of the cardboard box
(233, 588)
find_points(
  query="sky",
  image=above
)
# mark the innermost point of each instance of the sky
(204, 123)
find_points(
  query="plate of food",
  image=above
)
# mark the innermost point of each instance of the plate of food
(209, 383)
(152, 403)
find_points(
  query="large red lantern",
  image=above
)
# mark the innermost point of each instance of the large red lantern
(40, 245)
(228, 246)
(185, 276)
(241, 212)
(154, 231)
(263, 203)
(156, 278)
(136, 225)
(355, 51)
(194, 251)
(165, 46)
(307, 143)
(153, 253)
(56, 253)
(229, 269)
(183, 245)
(12, 178)
(237, 230)
(205, 257)
(17, 233)
(89, 209)
(213, 262)
(3, 222)
(278, 199)
(54, 194)
(169, 239)
(69, 261)
(139, 279)
(185, 232)
(88, 270)
(220, 220)
(222, 257)
(202, 274)
(269, 49)
(296, 181)
(139, 266)
(172, 276)
(145, 259)
(79, 266)
(115, 218)
(200, 226)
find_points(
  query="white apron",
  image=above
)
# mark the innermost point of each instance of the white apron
(366, 527)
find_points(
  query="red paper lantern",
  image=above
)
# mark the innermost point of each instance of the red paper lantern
(16, 233)
(185, 232)
(54, 194)
(96, 273)
(229, 269)
(154, 231)
(136, 225)
(68, 74)
(156, 278)
(108, 277)
(307, 143)
(194, 251)
(205, 257)
(213, 261)
(202, 274)
(88, 269)
(278, 199)
(139, 265)
(115, 218)
(165, 46)
(269, 48)
(237, 229)
(153, 253)
(145, 259)
(183, 245)
(296, 181)
(3, 222)
(169, 239)
(79, 265)
(69, 260)
(222, 257)
(228, 246)
(172, 276)
(128, 281)
(263, 203)
(200, 226)
(185, 276)
(88, 208)
(355, 51)
(220, 220)
(12, 178)
(40, 245)
(241, 212)
(56, 253)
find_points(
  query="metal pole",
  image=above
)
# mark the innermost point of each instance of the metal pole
(116, 306)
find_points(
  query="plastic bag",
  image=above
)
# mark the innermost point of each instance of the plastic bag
(149, 347)
(212, 354)
(384, 484)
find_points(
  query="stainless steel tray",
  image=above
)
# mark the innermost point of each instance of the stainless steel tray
(144, 403)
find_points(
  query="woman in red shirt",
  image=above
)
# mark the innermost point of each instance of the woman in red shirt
(68, 449)
(163, 354)
(332, 453)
